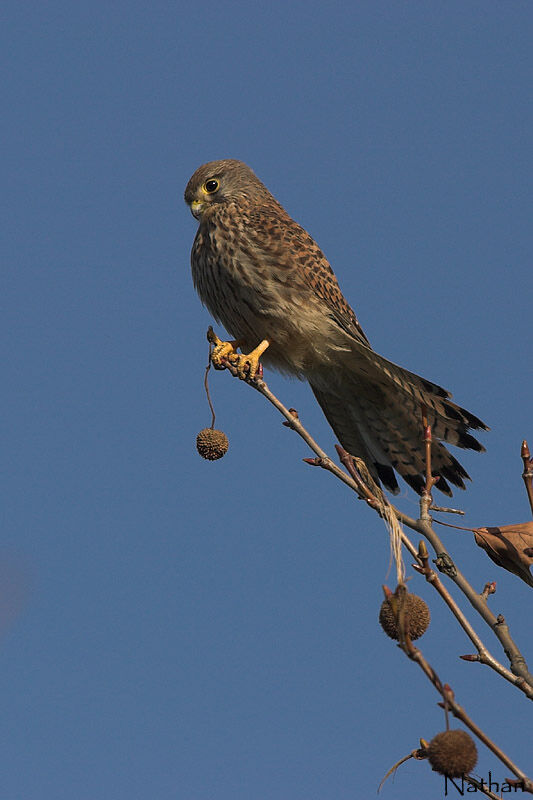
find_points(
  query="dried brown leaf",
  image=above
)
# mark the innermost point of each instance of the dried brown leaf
(508, 546)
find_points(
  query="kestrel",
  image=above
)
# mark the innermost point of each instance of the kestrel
(266, 280)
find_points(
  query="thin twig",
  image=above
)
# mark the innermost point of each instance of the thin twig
(449, 703)
(483, 654)
(481, 787)
(527, 474)
(457, 527)
(206, 386)
(426, 500)
(415, 654)
(445, 564)
(497, 624)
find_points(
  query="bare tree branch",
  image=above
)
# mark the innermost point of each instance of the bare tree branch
(356, 477)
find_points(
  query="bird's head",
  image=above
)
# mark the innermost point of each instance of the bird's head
(222, 182)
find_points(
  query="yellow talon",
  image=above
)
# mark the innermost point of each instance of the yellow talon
(222, 351)
(246, 365)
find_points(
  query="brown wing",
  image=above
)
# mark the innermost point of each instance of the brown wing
(299, 253)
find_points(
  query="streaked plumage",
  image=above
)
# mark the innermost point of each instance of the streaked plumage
(263, 277)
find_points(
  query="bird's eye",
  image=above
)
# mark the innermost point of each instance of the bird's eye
(210, 186)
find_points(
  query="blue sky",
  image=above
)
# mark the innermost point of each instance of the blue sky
(173, 628)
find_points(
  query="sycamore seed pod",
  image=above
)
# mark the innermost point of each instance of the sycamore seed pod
(212, 444)
(412, 608)
(452, 753)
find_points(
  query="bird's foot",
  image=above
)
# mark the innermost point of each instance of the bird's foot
(247, 365)
(224, 353)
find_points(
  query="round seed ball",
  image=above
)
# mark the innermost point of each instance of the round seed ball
(452, 753)
(212, 444)
(416, 614)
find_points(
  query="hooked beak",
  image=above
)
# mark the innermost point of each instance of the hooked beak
(197, 208)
